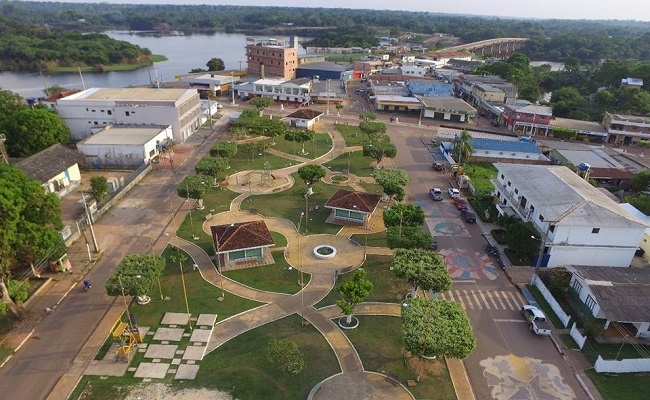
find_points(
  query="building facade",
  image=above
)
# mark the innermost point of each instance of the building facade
(527, 120)
(91, 110)
(294, 91)
(579, 224)
(266, 58)
(626, 129)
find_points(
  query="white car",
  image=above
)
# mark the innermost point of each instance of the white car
(219, 106)
(453, 193)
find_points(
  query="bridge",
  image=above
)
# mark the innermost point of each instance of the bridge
(499, 48)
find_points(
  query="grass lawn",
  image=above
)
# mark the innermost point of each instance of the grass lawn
(621, 386)
(569, 342)
(216, 201)
(112, 67)
(387, 288)
(350, 58)
(272, 278)
(611, 351)
(240, 367)
(290, 203)
(279, 239)
(378, 340)
(480, 174)
(352, 134)
(358, 164)
(255, 161)
(319, 145)
(374, 239)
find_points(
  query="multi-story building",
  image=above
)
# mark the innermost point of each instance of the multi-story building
(626, 129)
(527, 120)
(293, 91)
(266, 58)
(93, 109)
(579, 224)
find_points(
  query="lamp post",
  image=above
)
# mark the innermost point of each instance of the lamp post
(540, 254)
(232, 86)
(219, 266)
(180, 265)
(153, 254)
(306, 210)
(302, 283)
(328, 96)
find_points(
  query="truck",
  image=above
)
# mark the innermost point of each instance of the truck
(537, 321)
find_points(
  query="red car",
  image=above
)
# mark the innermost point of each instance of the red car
(460, 203)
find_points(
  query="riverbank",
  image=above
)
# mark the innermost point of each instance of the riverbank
(109, 68)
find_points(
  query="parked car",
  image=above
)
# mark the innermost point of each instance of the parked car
(434, 142)
(537, 321)
(468, 216)
(453, 193)
(436, 194)
(437, 166)
(460, 203)
(219, 106)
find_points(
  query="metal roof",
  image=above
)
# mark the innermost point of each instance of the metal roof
(447, 103)
(48, 163)
(621, 293)
(578, 125)
(557, 191)
(505, 145)
(124, 135)
(131, 94)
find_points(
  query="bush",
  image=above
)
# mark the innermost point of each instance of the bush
(404, 214)
(285, 354)
(411, 237)
(223, 149)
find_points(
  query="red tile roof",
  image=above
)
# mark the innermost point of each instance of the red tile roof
(347, 200)
(244, 235)
(305, 113)
(59, 95)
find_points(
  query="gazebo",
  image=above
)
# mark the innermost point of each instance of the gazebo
(242, 245)
(351, 208)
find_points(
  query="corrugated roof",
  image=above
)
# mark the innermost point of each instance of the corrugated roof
(447, 103)
(50, 162)
(505, 145)
(556, 190)
(537, 110)
(621, 293)
(347, 200)
(243, 235)
(131, 94)
(578, 125)
(397, 99)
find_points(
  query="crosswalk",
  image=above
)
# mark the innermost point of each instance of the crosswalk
(485, 299)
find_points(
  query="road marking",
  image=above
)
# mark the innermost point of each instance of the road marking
(498, 296)
(484, 301)
(469, 301)
(478, 303)
(505, 297)
(463, 281)
(460, 300)
(494, 303)
(517, 302)
(509, 320)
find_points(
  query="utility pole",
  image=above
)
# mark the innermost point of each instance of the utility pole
(90, 223)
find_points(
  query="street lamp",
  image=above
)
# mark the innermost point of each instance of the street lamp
(302, 282)
(219, 266)
(180, 265)
(232, 86)
(153, 254)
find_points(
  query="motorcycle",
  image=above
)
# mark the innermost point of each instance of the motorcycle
(87, 284)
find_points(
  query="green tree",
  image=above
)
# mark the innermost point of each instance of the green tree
(640, 202)
(261, 103)
(136, 275)
(194, 187)
(408, 237)
(462, 150)
(404, 215)
(251, 148)
(10, 104)
(212, 167)
(380, 149)
(372, 129)
(285, 355)
(640, 181)
(422, 269)
(436, 328)
(311, 174)
(270, 128)
(31, 221)
(299, 136)
(223, 149)
(366, 116)
(31, 130)
(392, 182)
(354, 292)
(98, 187)
(215, 64)
(523, 239)
(50, 90)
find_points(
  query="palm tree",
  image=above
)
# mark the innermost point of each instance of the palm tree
(462, 150)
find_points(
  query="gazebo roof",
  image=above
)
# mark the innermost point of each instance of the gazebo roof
(349, 200)
(244, 235)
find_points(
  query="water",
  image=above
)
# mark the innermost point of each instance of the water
(555, 66)
(183, 54)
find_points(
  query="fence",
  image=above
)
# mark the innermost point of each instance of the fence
(622, 366)
(564, 317)
(577, 336)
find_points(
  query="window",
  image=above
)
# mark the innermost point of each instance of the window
(541, 217)
(109, 112)
(503, 176)
(95, 122)
(577, 286)
(516, 191)
(509, 183)
(595, 230)
(93, 110)
(127, 113)
(590, 302)
(551, 228)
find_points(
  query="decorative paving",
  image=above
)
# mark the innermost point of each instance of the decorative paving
(151, 370)
(515, 378)
(186, 371)
(469, 264)
(447, 227)
(194, 353)
(171, 318)
(201, 335)
(206, 320)
(169, 334)
(166, 351)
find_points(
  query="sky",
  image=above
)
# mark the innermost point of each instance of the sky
(563, 9)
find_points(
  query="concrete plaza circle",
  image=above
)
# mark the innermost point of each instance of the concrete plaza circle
(363, 385)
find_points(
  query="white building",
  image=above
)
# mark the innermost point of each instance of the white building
(124, 146)
(414, 70)
(86, 111)
(581, 225)
(293, 91)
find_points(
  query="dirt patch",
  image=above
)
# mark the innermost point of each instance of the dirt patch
(424, 367)
(168, 392)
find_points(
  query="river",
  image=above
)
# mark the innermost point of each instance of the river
(183, 54)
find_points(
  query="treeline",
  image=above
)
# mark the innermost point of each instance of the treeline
(550, 39)
(34, 48)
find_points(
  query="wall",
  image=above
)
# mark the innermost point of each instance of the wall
(594, 256)
(577, 336)
(564, 317)
(622, 366)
